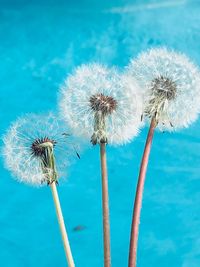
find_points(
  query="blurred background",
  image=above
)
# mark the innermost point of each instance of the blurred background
(41, 42)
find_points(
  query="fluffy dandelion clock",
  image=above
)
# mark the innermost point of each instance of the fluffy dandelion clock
(31, 145)
(36, 152)
(99, 104)
(102, 106)
(170, 83)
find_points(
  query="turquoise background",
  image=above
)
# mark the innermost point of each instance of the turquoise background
(40, 43)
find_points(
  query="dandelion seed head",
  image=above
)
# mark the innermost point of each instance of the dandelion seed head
(39, 144)
(170, 84)
(104, 104)
(164, 87)
(100, 105)
(32, 144)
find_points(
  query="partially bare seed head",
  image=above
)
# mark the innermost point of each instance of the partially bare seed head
(39, 146)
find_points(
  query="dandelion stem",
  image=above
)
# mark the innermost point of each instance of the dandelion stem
(139, 195)
(105, 201)
(62, 225)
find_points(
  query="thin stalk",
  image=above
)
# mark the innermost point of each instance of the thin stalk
(105, 202)
(139, 196)
(62, 225)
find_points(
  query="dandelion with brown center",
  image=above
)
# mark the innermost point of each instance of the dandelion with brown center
(170, 86)
(96, 103)
(102, 106)
(42, 148)
(32, 159)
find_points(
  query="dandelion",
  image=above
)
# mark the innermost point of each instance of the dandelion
(169, 82)
(97, 104)
(170, 86)
(33, 148)
(101, 106)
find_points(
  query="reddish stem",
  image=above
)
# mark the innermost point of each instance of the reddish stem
(105, 203)
(139, 195)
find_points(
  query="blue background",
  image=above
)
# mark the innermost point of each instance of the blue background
(40, 43)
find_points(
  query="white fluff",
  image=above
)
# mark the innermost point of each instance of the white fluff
(181, 111)
(17, 147)
(87, 80)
